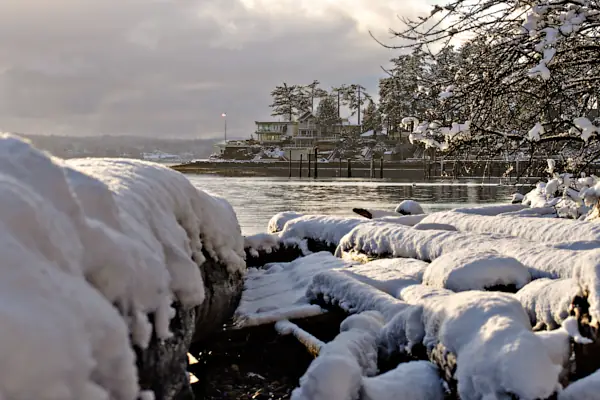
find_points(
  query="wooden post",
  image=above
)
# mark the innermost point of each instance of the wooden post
(309, 155)
(316, 163)
(290, 165)
(300, 169)
(372, 172)
(340, 168)
(381, 168)
(349, 169)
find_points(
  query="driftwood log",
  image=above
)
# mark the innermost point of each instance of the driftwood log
(283, 254)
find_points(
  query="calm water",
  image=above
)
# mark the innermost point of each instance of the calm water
(256, 200)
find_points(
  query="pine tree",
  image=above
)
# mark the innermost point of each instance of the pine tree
(314, 92)
(327, 115)
(289, 101)
(372, 118)
(355, 97)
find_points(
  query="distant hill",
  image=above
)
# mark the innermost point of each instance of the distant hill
(121, 146)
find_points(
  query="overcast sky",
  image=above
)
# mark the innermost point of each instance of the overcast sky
(169, 68)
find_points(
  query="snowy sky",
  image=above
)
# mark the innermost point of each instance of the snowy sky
(169, 68)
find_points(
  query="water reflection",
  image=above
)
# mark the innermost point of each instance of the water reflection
(255, 200)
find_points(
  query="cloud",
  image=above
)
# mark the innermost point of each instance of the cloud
(169, 68)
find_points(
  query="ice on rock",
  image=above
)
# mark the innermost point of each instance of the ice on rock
(417, 380)
(463, 270)
(278, 292)
(278, 221)
(547, 301)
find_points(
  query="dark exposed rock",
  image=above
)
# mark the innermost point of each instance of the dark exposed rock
(285, 253)
(162, 367)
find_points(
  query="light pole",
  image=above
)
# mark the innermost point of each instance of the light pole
(224, 115)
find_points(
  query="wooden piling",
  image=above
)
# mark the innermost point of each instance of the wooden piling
(309, 156)
(349, 169)
(381, 168)
(340, 167)
(300, 168)
(316, 163)
(290, 165)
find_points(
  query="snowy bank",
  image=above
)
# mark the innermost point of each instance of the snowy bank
(98, 252)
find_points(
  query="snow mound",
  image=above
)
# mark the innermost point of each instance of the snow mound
(278, 221)
(321, 228)
(417, 380)
(408, 220)
(475, 270)
(547, 301)
(278, 292)
(409, 207)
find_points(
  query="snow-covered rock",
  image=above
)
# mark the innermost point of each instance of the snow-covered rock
(463, 270)
(409, 207)
(87, 258)
(584, 389)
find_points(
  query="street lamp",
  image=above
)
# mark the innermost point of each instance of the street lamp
(224, 115)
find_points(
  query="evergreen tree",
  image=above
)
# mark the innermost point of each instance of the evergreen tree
(372, 118)
(327, 115)
(289, 101)
(355, 97)
(313, 92)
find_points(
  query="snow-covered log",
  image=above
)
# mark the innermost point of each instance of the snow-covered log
(389, 275)
(278, 292)
(464, 270)
(496, 352)
(380, 240)
(547, 301)
(102, 257)
(322, 231)
(336, 374)
(586, 388)
(264, 248)
(336, 288)
(278, 221)
(542, 230)
(417, 380)
(489, 210)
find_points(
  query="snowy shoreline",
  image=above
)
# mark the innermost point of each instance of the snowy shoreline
(493, 300)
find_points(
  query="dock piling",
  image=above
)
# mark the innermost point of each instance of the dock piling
(381, 168)
(316, 163)
(349, 169)
(300, 169)
(309, 156)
